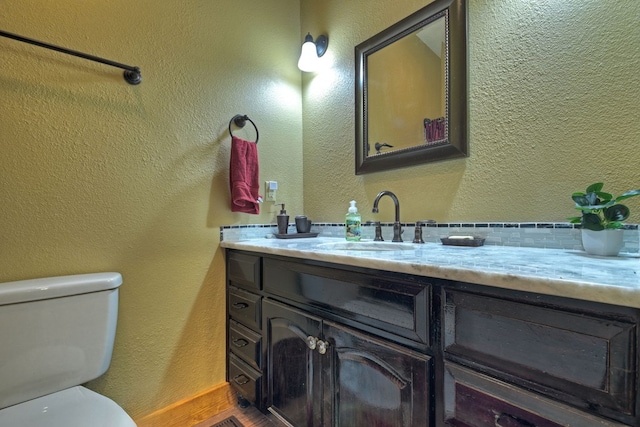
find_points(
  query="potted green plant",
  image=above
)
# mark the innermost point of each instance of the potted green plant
(601, 219)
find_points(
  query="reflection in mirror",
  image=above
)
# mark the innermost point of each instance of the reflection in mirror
(411, 90)
(398, 117)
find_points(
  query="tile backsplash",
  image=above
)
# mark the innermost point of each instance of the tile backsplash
(525, 234)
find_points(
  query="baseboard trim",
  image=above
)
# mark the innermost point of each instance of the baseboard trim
(192, 410)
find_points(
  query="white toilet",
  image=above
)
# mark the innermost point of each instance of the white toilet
(55, 334)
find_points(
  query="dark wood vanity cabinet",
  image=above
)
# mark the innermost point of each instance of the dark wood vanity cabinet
(294, 384)
(517, 359)
(320, 373)
(334, 348)
(324, 345)
(244, 327)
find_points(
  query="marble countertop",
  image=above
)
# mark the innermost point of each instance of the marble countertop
(567, 273)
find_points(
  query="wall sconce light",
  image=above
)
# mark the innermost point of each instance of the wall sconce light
(312, 51)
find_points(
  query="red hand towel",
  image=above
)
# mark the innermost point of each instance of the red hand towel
(243, 176)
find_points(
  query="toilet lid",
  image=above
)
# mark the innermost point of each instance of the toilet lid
(72, 407)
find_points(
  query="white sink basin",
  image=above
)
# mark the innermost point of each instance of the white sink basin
(367, 246)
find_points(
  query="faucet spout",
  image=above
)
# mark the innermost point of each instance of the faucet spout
(397, 228)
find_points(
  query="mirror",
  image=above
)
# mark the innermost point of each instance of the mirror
(411, 90)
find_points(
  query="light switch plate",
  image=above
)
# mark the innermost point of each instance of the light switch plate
(270, 188)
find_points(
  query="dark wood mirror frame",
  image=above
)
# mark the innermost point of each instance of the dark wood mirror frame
(455, 144)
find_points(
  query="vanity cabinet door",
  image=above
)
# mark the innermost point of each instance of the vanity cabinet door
(369, 382)
(294, 389)
(244, 270)
(586, 359)
(397, 304)
(245, 343)
(246, 380)
(244, 307)
(472, 399)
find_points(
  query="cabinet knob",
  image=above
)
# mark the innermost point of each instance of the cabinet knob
(311, 342)
(322, 346)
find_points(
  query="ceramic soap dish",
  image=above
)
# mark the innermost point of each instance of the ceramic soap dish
(462, 241)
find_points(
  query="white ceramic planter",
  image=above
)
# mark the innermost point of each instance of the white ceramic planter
(604, 243)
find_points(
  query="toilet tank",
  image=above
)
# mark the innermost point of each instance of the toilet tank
(55, 333)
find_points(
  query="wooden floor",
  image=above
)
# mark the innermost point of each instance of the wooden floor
(249, 417)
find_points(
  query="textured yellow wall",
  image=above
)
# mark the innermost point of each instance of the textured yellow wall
(99, 175)
(553, 107)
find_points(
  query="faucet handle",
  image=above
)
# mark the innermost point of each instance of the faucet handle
(417, 238)
(378, 237)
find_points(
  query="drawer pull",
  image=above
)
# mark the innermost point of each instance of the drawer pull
(240, 305)
(241, 379)
(506, 420)
(311, 342)
(239, 342)
(322, 346)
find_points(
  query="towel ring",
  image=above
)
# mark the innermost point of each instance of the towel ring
(241, 120)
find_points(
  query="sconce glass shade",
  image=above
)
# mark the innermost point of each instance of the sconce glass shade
(308, 57)
(311, 52)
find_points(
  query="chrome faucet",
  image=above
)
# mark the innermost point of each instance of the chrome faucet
(397, 228)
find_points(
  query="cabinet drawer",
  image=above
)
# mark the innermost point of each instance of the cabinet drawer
(243, 270)
(583, 359)
(390, 302)
(475, 400)
(245, 307)
(245, 343)
(245, 379)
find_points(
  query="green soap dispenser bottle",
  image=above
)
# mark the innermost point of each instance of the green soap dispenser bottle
(352, 222)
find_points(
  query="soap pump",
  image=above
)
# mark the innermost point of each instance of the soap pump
(283, 220)
(352, 223)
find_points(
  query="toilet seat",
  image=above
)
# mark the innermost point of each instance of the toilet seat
(72, 407)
